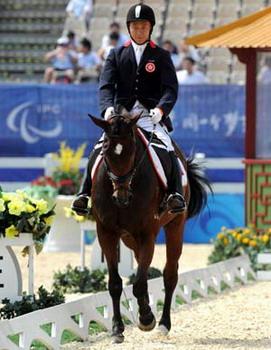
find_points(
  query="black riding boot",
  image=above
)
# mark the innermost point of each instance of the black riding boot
(175, 201)
(80, 204)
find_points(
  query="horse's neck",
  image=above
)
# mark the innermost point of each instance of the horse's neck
(140, 148)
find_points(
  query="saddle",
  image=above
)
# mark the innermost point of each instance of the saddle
(158, 155)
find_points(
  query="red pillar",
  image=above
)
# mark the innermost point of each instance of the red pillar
(251, 103)
(249, 58)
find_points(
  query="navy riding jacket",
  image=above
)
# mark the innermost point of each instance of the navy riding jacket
(153, 83)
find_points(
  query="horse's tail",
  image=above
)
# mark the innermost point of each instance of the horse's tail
(198, 184)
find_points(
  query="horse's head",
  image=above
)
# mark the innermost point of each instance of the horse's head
(119, 149)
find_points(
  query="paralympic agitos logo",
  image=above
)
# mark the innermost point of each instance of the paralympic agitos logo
(21, 120)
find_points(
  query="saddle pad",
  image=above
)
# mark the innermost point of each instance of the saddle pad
(156, 162)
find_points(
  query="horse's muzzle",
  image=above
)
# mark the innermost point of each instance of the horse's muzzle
(123, 199)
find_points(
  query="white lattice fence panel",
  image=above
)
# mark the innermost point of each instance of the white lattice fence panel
(265, 259)
(29, 326)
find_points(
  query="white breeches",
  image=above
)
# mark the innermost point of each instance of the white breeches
(147, 124)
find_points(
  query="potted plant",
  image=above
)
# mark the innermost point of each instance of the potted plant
(20, 213)
(230, 243)
(66, 175)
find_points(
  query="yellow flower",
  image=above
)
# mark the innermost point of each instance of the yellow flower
(245, 240)
(265, 238)
(234, 234)
(269, 231)
(21, 194)
(68, 212)
(79, 218)
(246, 231)
(29, 208)
(77, 156)
(11, 232)
(253, 243)
(225, 241)
(220, 236)
(42, 206)
(68, 159)
(16, 207)
(48, 221)
(8, 196)
(2, 205)
(238, 237)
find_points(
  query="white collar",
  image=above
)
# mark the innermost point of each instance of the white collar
(139, 47)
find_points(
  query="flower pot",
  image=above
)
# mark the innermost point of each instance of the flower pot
(64, 235)
(11, 277)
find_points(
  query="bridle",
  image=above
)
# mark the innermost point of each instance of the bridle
(128, 177)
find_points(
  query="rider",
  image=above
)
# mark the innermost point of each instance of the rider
(141, 77)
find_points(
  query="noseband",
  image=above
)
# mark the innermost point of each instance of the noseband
(120, 179)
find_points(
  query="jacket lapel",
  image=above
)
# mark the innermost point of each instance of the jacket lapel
(132, 57)
(145, 57)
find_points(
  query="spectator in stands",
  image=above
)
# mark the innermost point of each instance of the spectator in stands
(73, 42)
(187, 51)
(63, 62)
(114, 28)
(113, 42)
(81, 9)
(89, 63)
(264, 76)
(190, 75)
(171, 48)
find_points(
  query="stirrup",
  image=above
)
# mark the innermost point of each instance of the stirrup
(180, 204)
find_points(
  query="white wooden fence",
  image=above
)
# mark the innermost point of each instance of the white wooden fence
(265, 259)
(47, 164)
(87, 309)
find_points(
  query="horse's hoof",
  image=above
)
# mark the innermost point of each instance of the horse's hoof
(163, 329)
(147, 328)
(117, 338)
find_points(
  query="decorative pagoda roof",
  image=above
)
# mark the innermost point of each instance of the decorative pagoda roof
(253, 31)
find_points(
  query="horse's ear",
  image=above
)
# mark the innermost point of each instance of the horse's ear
(101, 123)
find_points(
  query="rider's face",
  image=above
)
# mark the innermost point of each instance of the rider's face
(140, 31)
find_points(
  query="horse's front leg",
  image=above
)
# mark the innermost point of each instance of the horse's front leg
(140, 288)
(109, 244)
(174, 243)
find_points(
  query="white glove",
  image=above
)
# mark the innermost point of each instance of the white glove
(109, 113)
(156, 115)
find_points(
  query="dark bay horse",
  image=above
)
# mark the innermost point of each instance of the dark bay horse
(126, 197)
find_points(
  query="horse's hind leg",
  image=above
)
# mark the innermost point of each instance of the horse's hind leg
(140, 288)
(174, 243)
(109, 244)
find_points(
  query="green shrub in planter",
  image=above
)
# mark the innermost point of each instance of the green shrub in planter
(75, 280)
(31, 303)
(153, 272)
(230, 243)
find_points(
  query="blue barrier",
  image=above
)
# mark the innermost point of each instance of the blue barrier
(35, 118)
(222, 210)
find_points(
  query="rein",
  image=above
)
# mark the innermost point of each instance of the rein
(130, 175)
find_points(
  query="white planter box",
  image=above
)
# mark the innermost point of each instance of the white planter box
(10, 271)
(64, 235)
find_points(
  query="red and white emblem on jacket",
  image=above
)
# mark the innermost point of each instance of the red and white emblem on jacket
(150, 67)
